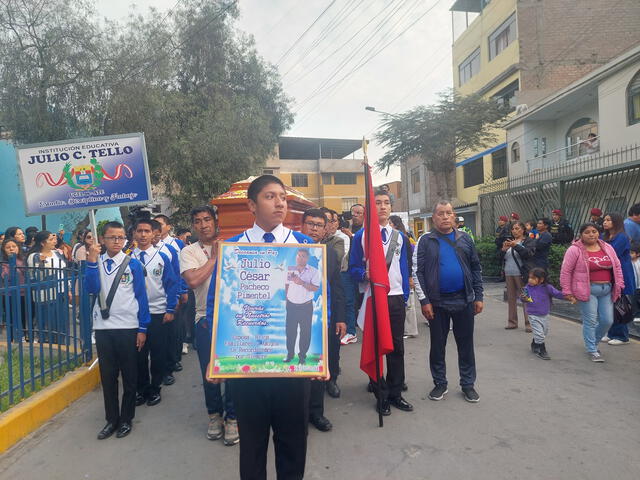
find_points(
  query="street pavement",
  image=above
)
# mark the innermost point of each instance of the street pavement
(567, 418)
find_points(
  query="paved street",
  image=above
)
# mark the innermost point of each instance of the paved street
(566, 418)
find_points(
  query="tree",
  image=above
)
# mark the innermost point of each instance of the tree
(440, 133)
(211, 109)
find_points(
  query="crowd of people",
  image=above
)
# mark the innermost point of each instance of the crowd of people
(155, 295)
(600, 271)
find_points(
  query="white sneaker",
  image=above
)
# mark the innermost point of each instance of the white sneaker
(615, 341)
(605, 339)
(353, 339)
(596, 357)
(347, 339)
(636, 321)
(185, 348)
(231, 436)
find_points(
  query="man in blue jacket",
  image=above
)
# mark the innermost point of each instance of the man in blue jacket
(448, 281)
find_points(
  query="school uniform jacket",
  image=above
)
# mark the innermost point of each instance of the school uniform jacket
(160, 279)
(130, 306)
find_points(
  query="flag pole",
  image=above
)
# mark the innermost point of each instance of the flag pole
(368, 187)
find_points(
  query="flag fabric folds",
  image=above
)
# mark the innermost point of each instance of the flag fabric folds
(377, 327)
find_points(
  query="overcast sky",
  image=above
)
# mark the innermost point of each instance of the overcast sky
(319, 72)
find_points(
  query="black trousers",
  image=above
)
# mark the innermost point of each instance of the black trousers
(118, 356)
(299, 314)
(281, 404)
(316, 401)
(463, 322)
(156, 348)
(391, 387)
(172, 355)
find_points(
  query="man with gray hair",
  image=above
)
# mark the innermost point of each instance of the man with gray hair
(448, 281)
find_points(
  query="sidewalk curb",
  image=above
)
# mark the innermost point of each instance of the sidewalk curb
(27, 416)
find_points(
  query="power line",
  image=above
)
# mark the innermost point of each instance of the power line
(309, 71)
(363, 61)
(363, 43)
(285, 54)
(337, 20)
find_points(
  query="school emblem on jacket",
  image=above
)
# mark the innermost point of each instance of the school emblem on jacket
(157, 272)
(126, 278)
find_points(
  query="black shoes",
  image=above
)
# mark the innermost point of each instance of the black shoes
(332, 389)
(302, 359)
(470, 394)
(177, 367)
(542, 352)
(123, 430)
(169, 380)
(107, 431)
(321, 423)
(154, 399)
(401, 404)
(140, 399)
(385, 408)
(438, 392)
(534, 347)
(287, 359)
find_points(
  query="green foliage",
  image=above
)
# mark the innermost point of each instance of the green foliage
(439, 133)
(491, 267)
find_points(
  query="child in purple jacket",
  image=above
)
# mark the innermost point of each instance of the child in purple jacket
(538, 295)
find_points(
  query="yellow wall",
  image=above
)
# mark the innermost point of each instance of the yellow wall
(477, 35)
(329, 196)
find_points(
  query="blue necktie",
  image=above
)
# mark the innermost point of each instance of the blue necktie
(384, 235)
(109, 264)
(269, 237)
(142, 254)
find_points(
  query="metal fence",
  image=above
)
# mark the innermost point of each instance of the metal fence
(610, 181)
(46, 327)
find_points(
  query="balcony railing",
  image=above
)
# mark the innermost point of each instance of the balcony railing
(557, 169)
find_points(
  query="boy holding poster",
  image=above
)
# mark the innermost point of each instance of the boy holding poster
(262, 404)
(120, 327)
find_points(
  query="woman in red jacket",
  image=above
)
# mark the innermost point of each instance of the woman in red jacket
(592, 275)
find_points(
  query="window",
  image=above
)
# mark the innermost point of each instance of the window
(326, 178)
(515, 152)
(633, 99)
(344, 178)
(576, 136)
(536, 147)
(348, 202)
(473, 173)
(299, 180)
(499, 163)
(507, 95)
(267, 171)
(502, 37)
(415, 180)
(469, 67)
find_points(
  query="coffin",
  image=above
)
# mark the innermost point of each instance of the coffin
(234, 216)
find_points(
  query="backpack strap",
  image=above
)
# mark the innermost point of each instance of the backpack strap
(114, 286)
(393, 243)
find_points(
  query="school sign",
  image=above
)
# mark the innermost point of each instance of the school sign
(84, 174)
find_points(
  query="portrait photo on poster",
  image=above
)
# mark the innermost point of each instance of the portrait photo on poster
(270, 312)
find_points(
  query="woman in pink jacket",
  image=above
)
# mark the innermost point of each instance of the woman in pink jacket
(592, 275)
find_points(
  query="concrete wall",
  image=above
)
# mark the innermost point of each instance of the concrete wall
(615, 131)
(562, 40)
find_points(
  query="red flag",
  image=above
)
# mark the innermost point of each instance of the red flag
(377, 327)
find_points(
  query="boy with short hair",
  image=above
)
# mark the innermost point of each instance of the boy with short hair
(162, 290)
(635, 261)
(120, 332)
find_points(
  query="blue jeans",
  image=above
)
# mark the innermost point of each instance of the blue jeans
(597, 315)
(215, 401)
(349, 300)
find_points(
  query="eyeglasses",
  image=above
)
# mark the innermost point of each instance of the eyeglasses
(115, 239)
(314, 225)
